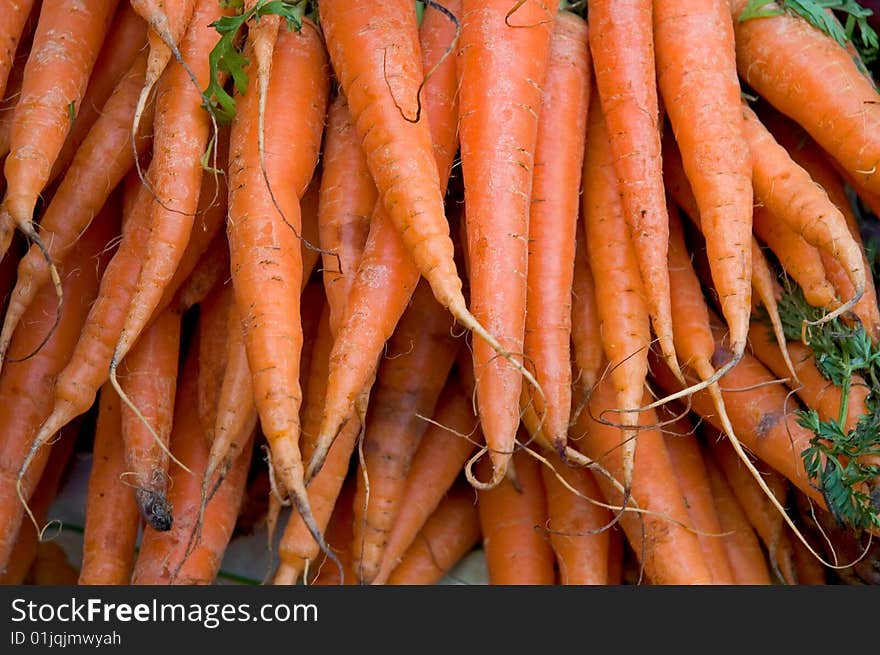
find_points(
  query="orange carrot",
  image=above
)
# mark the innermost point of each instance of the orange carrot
(451, 531)
(553, 222)
(586, 336)
(442, 453)
(112, 518)
(339, 537)
(148, 377)
(503, 55)
(26, 386)
(309, 213)
(265, 257)
(163, 557)
(175, 174)
(51, 566)
(579, 530)
(387, 274)
(213, 336)
(687, 459)
(209, 271)
(103, 158)
(696, 74)
(623, 315)
(422, 342)
(615, 555)
(622, 44)
(345, 203)
(748, 563)
(512, 516)
(13, 18)
(66, 43)
(848, 123)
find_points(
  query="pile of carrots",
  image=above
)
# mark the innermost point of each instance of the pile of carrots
(588, 286)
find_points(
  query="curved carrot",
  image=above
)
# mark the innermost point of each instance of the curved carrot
(503, 55)
(387, 274)
(748, 563)
(451, 531)
(103, 159)
(345, 204)
(66, 43)
(696, 74)
(511, 517)
(790, 63)
(422, 342)
(112, 518)
(579, 530)
(26, 387)
(623, 314)
(553, 222)
(265, 256)
(622, 43)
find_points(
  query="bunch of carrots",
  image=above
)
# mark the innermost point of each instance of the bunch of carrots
(588, 286)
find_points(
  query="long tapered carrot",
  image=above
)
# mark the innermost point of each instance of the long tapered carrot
(622, 44)
(13, 17)
(578, 528)
(26, 387)
(66, 43)
(788, 191)
(103, 159)
(345, 204)
(748, 563)
(125, 39)
(443, 451)
(265, 256)
(503, 55)
(451, 531)
(620, 300)
(176, 173)
(668, 552)
(553, 222)
(697, 78)
(388, 274)
(517, 550)
(687, 459)
(213, 336)
(149, 379)
(163, 557)
(112, 518)
(848, 123)
(422, 342)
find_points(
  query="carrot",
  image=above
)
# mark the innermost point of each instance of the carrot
(687, 459)
(443, 450)
(339, 537)
(175, 175)
(616, 555)
(847, 124)
(112, 518)
(309, 212)
(511, 520)
(298, 549)
(345, 202)
(7, 110)
(163, 557)
(51, 566)
(623, 314)
(422, 342)
(66, 43)
(503, 55)
(103, 159)
(622, 45)
(13, 18)
(265, 258)
(697, 78)
(668, 552)
(553, 223)
(761, 514)
(451, 531)
(125, 38)
(789, 192)
(211, 270)
(579, 530)
(586, 337)
(809, 570)
(387, 273)
(148, 377)
(28, 540)
(213, 337)
(26, 386)
(748, 563)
